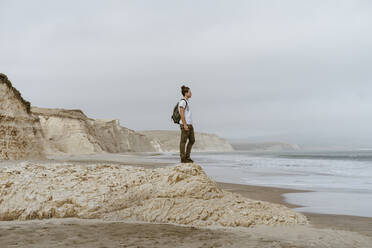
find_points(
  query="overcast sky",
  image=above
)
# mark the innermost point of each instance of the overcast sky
(293, 71)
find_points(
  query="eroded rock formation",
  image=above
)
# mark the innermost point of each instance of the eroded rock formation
(181, 194)
(20, 131)
(71, 131)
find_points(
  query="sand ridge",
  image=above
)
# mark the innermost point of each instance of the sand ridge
(181, 194)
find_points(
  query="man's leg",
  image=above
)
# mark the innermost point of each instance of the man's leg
(183, 140)
(191, 137)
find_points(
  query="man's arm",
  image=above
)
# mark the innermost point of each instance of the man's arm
(182, 113)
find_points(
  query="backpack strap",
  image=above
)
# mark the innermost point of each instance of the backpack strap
(185, 101)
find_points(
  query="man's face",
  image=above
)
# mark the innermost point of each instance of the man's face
(189, 94)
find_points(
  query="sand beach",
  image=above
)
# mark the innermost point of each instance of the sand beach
(96, 228)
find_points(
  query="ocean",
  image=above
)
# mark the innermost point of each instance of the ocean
(341, 180)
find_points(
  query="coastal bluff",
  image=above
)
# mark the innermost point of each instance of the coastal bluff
(72, 132)
(168, 141)
(265, 146)
(20, 131)
(30, 132)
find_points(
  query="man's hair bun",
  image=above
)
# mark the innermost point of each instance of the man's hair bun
(184, 89)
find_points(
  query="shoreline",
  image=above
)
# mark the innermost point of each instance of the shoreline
(362, 225)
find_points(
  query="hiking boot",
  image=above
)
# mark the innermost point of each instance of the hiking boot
(185, 161)
(190, 160)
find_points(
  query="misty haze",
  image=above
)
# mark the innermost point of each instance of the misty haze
(290, 71)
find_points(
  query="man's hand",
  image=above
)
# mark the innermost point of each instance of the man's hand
(186, 127)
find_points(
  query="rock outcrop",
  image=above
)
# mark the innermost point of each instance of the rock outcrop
(20, 131)
(168, 141)
(72, 132)
(181, 194)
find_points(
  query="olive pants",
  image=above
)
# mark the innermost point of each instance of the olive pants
(189, 134)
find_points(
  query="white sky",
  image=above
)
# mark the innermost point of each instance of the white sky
(297, 71)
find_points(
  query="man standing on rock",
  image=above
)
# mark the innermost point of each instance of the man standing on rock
(187, 130)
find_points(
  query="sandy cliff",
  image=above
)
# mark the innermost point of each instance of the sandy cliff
(168, 141)
(20, 131)
(71, 131)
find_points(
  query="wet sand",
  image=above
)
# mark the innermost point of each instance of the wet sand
(362, 225)
(80, 233)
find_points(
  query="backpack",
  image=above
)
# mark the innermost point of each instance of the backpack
(176, 117)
